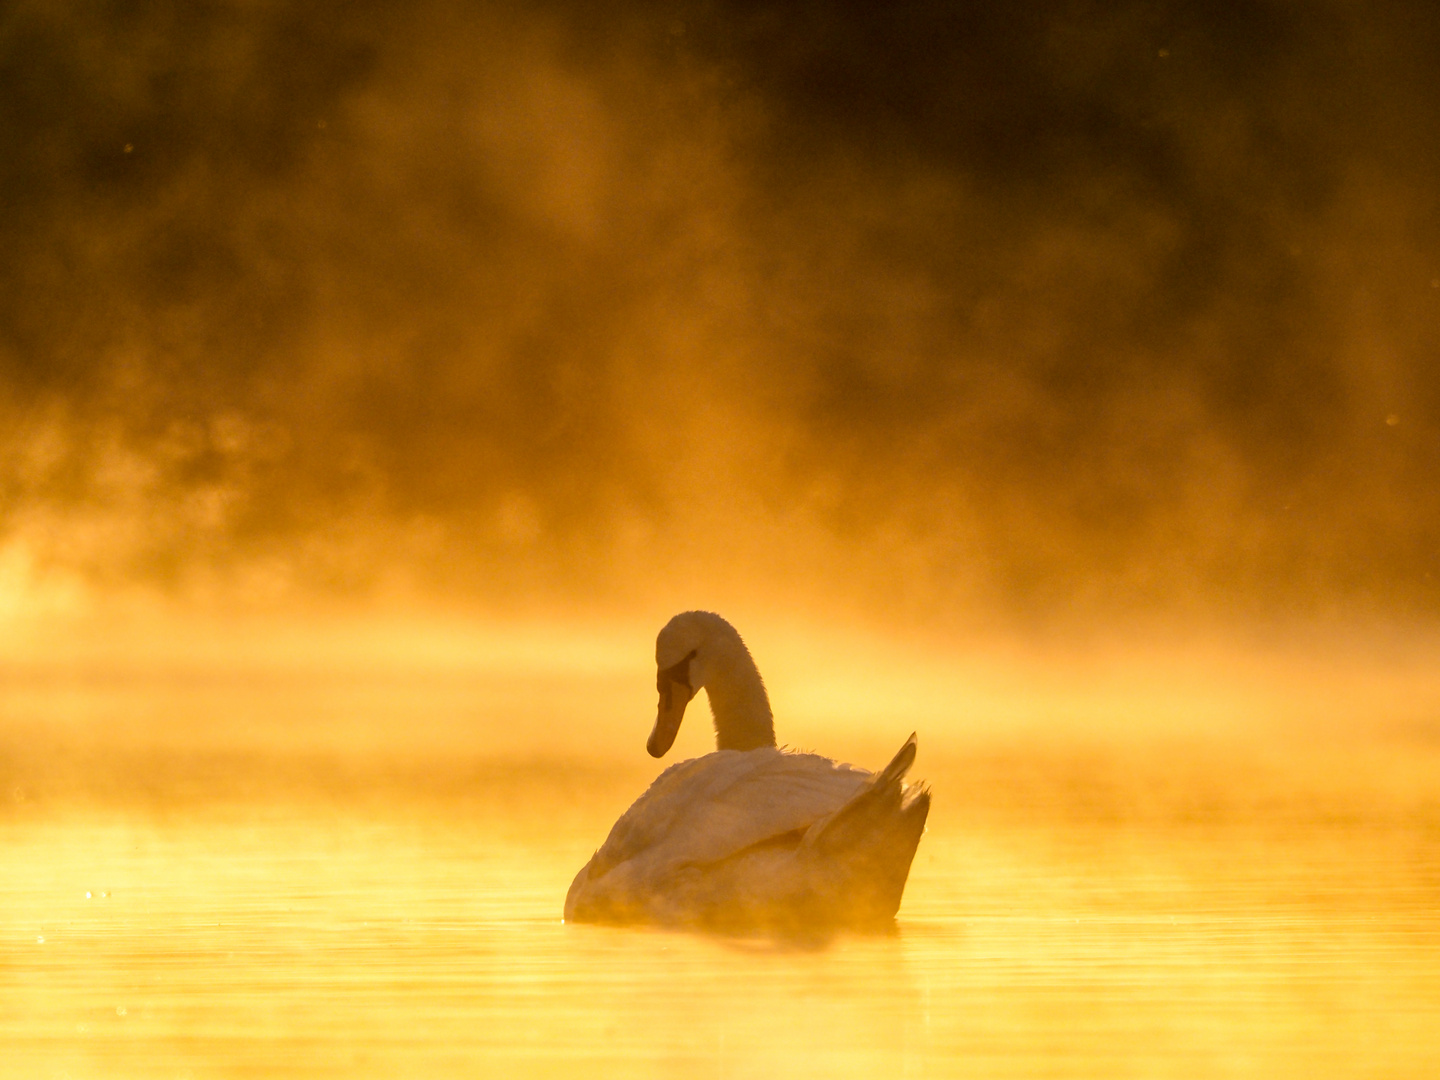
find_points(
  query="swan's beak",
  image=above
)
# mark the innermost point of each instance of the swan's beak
(675, 693)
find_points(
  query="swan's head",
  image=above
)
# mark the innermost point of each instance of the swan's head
(678, 675)
(684, 653)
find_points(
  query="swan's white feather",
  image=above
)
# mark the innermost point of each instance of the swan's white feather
(708, 808)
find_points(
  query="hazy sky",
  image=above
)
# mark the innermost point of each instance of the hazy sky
(925, 310)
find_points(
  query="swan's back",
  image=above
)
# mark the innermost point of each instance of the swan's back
(710, 807)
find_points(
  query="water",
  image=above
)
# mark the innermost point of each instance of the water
(1091, 911)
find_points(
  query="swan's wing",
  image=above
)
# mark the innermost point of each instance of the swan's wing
(655, 813)
(784, 793)
(707, 809)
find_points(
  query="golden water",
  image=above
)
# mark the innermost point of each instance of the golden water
(1177, 912)
(317, 936)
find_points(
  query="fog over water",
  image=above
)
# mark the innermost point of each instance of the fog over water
(937, 318)
(1060, 381)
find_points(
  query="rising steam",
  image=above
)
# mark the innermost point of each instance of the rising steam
(928, 312)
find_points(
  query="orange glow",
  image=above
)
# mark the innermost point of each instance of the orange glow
(1056, 381)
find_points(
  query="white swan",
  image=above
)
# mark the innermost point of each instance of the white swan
(750, 836)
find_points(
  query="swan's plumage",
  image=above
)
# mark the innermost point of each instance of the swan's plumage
(755, 837)
(708, 808)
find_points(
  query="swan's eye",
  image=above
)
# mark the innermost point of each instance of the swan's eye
(675, 673)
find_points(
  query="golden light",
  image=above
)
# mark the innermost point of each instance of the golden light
(1056, 383)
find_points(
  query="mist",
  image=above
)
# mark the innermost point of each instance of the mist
(1056, 381)
(946, 316)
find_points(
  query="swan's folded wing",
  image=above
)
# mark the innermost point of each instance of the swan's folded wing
(702, 811)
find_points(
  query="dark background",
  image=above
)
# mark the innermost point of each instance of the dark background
(938, 312)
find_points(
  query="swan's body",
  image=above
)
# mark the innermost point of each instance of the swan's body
(749, 836)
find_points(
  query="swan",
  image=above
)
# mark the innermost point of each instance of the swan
(750, 836)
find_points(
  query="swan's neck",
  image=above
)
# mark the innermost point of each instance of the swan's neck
(738, 701)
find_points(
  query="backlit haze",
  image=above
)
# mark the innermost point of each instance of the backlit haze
(1058, 381)
(979, 363)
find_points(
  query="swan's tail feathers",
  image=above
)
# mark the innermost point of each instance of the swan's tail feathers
(874, 837)
(899, 764)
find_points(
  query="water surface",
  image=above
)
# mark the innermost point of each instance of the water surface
(1072, 912)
